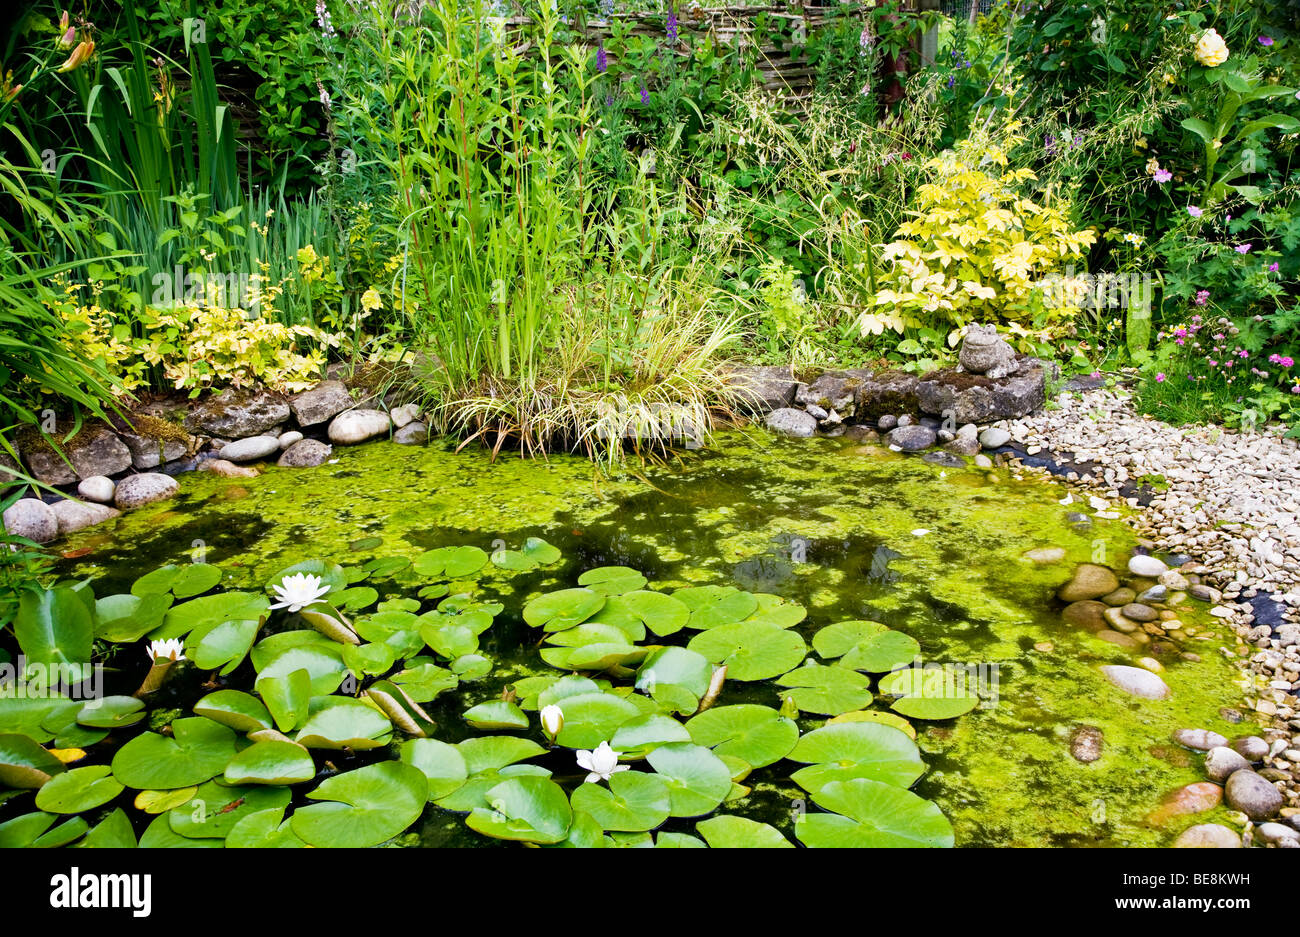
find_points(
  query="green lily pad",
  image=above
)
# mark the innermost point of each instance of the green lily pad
(210, 610)
(25, 764)
(471, 667)
(751, 650)
(368, 658)
(271, 762)
(235, 708)
(68, 733)
(77, 790)
(32, 830)
(155, 802)
(452, 562)
(472, 795)
(493, 753)
(423, 680)
(675, 665)
(281, 654)
(264, 829)
(758, 735)
(642, 734)
(561, 688)
(594, 657)
(612, 580)
(828, 690)
(197, 752)
(838, 639)
(54, 627)
(850, 750)
(697, 779)
(774, 610)
(111, 712)
(712, 606)
(635, 802)
(222, 644)
(875, 715)
(662, 614)
(342, 722)
(882, 652)
(496, 714)
(592, 718)
(928, 693)
(112, 832)
(731, 832)
(556, 611)
(364, 807)
(442, 764)
(160, 835)
(24, 714)
(869, 815)
(215, 809)
(527, 809)
(125, 617)
(182, 581)
(288, 698)
(355, 598)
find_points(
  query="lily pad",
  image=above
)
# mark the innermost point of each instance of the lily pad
(592, 718)
(155, 802)
(235, 708)
(712, 606)
(288, 698)
(197, 752)
(875, 715)
(697, 779)
(662, 614)
(774, 610)
(675, 665)
(496, 714)
(222, 644)
(341, 722)
(77, 790)
(495, 752)
(281, 654)
(751, 650)
(731, 832)
(635, 802)
(928, 693)
(758, 735)
(33, 830)
(612, 580)
(364, 807)
(642, 734)
(216, 808)
(25, 764)
(556, 611)
(111, 712)
(126, 617)
(54, 627)
(848, 750)
(112, 832)
(369, 658)
(264, 829)
(882, 652)
(271, 763)
(527, 809)
(868, 814)
(827, 690)
(452, 562)
(160, 835)
(210, 610)
(442, 764)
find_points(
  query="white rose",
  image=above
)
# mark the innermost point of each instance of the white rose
(1211, 50)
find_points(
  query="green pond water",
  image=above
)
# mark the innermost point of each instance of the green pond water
(822, 522)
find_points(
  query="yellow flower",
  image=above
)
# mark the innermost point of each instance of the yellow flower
(307, 255)
(1211, 50)
(79, 56)
(370, 300)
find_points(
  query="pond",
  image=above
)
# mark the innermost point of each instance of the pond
(848, 532)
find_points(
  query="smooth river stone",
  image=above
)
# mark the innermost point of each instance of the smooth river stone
(356, 426)
(74, 515)
(1251, 747)
(1142, 565)
(31, 518)
(1221, 763)
(1139, 612)
(1208, 836)
(1121, 596)
(1118, 639)
(98, 488)
(1087, 615)
(1118, 621)
(1090, 581)
(136, 490)
(1200, 739)
(253, 447)
(1042, 556)
(1252, 795)
(1194, 798)
(791, 422)
(1086, 744)
(305, 453)
(1136, 681)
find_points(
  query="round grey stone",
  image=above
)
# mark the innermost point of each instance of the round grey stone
(791, 422)
(912, 438)
(136, 490)
(1208, 836)
(1252, 795)
(1251, 747)
(354, 426)
(1141, 565)
(414, 433)
(31, 518)
(994, 437)
(98, 488)
(1221, 762)
(1136, 681)
(247, 450)
(305, 453)
(288, 439)
(1200, 739)
(1140, 612)
(74, 515)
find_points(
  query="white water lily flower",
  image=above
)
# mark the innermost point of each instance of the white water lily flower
(172, 649)
(602, 763)
(552, 720)
(298, 591)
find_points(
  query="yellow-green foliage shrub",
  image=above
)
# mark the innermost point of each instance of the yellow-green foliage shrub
(978, 246)
(195, 346)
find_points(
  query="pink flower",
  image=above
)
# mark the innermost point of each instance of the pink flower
(1160, 377)
(1202, 297)
(1266, 40)
(1286, 361)
(1243, 353)
(1180, 332)
(1272, 268)
(1194, 211)
(1163, 176)
(1242, 248)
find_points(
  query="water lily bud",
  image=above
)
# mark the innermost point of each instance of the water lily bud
(552, 721)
